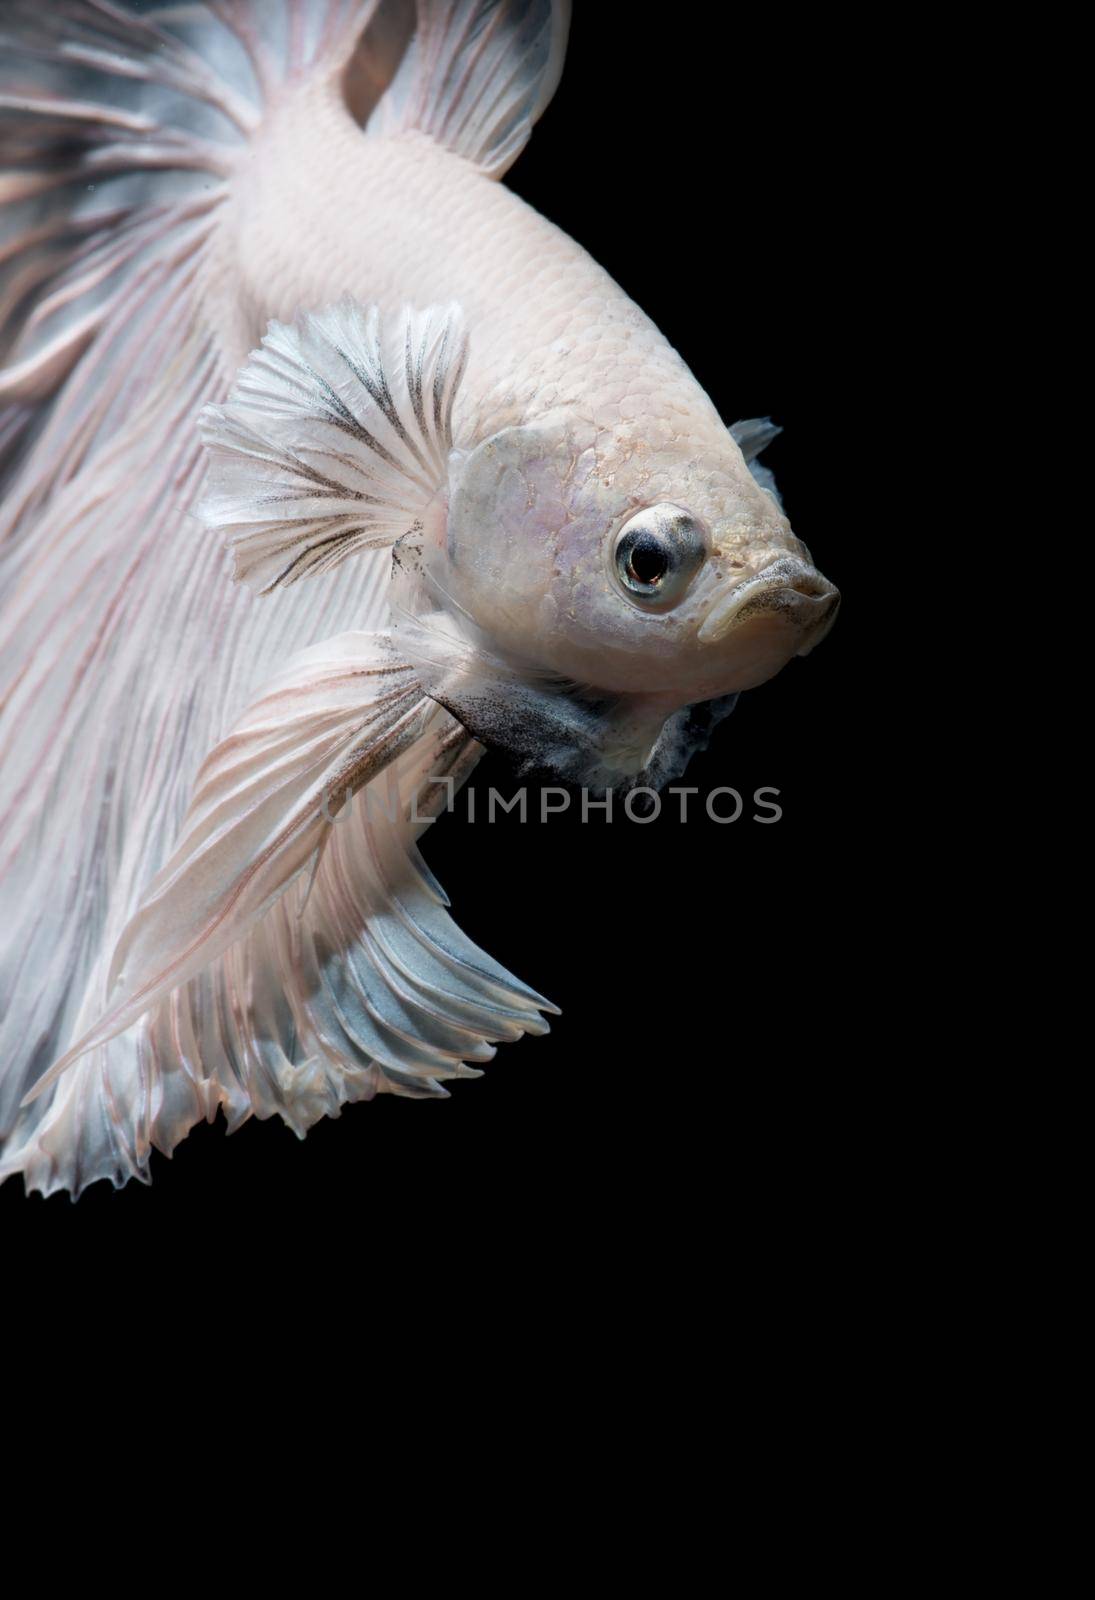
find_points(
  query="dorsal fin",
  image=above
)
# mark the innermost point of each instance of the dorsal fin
(477, 76)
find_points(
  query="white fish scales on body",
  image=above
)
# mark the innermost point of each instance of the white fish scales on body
(325, 460)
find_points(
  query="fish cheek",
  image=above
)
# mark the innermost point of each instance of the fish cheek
(505, 512)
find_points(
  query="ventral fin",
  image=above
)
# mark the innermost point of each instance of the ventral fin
(335, 438)
(264, 804)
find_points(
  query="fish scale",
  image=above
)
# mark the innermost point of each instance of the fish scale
(551, 327)
(284, 196)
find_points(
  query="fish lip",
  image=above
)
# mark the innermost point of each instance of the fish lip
(789, 585)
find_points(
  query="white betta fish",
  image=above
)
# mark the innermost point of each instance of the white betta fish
(260, 288)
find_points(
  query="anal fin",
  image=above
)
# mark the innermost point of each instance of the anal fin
(291, 995)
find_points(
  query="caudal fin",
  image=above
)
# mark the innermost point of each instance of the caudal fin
(126, 654)
(120, 135)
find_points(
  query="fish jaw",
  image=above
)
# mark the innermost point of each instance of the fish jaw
(762, 621)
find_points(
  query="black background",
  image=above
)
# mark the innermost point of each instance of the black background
(723, 1062)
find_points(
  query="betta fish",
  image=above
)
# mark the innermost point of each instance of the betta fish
(325, 462)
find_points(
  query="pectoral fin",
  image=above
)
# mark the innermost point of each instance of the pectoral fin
(335, 438)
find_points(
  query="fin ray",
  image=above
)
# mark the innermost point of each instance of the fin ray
(112, 591)
(334, 439)
(477, 75)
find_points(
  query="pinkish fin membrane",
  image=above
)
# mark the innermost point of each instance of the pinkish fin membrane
(119, 134)
(265, 807)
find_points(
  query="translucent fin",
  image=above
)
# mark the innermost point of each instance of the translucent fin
(116, 142)
(120, 133)
(335, 438)
(353, 981)
(477, 76)
(263, 806)
(121, 130)
(753, 436)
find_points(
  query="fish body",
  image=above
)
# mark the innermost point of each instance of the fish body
(471, 494)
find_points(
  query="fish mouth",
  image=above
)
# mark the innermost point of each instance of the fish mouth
(789, 589)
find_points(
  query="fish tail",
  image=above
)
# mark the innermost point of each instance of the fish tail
(119, 135)
(121, 131)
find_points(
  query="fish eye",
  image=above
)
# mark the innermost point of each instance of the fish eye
(657, 553)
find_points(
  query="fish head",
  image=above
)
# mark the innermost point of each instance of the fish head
(630, 564)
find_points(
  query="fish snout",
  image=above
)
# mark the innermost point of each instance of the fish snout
(788, 590)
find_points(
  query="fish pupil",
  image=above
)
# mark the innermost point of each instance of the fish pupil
(647, 561)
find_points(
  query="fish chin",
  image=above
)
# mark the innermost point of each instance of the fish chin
(756, 626)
